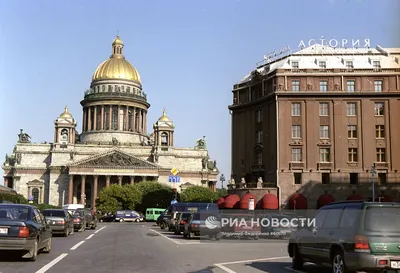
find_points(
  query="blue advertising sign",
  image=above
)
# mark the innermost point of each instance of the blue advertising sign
(174, 179)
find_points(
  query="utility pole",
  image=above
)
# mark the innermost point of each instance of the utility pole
(373, 172)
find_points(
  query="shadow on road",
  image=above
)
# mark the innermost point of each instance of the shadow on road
(271, 266)
(205, 270)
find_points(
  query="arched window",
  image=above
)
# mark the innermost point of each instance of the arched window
(64, 135)
(164, 139)
(35, 195)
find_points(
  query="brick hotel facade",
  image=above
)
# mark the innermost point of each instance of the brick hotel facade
(317, 120)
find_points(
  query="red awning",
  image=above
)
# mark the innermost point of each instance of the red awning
(324, 199)
(231, 201)
(244, 201)
(384, 198)
(298, 201)
(355, 197)
(221, 203)
(270, 201)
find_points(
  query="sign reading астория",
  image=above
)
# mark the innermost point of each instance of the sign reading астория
(343, 43)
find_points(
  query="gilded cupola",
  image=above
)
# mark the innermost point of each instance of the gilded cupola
(116, 67)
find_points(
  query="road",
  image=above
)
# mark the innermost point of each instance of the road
(144, 248)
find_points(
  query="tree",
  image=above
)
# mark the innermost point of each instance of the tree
(116, 197)
(12, 197)
(198, 194)
(154, 195)
(221, 193)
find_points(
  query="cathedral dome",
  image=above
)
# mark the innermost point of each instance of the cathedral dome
(164, 117)
(116, 67)
(66, 114)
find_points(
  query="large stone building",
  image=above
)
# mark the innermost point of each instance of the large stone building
(114, 146)
(320, 120)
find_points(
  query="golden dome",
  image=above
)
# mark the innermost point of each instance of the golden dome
(66, 114)
(164, 117)
(116, 67)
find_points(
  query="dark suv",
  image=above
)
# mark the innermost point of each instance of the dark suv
(350, 236)
(203, 224)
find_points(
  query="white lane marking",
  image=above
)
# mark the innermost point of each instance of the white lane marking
(293, 270)
(90, 236)
(52, 263)
(226, 269)
(166, 237)
(99, 230)
(220, 266)
(77, 245)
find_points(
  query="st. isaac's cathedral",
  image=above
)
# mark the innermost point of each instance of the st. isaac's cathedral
(113, 147)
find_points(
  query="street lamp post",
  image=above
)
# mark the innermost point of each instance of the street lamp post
(373, 172)
(222, 179)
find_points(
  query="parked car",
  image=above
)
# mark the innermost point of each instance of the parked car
(180, 223)
(196, 225)
(60, 221)
(108, 217)
(243, 227)
(350, 236)
(90, 216)
(24, 228)
(79, 219)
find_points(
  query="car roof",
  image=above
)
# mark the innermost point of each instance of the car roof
(16, 205)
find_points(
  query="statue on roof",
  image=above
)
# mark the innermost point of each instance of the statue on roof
(201, 143)
(23, 137)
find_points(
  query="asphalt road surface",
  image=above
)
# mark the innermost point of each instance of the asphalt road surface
(144, 248)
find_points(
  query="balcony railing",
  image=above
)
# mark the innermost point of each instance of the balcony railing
(90, 95)
(296, 165)
(381, 165)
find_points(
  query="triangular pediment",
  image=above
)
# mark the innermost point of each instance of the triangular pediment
(115, 159)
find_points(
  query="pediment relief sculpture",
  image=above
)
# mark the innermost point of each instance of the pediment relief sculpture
(35, 182)
(116, 159)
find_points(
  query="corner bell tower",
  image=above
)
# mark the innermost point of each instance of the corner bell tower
(164, 131)
(65, 129)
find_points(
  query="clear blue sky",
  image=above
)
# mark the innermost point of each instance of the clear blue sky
(188, 53)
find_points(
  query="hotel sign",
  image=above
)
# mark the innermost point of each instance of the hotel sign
(341, 43)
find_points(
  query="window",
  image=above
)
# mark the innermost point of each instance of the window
(378, 86)
(351, 86)
(259, 158)
(324, 155)
(349, 217)
(296, 86)
(164, 139)
(353, 178)
(35, 195)
(295, 65)
(297, 178)
(324, 131)
(379, 108)
(380, 155)
(351, 109)
(296, 131)
(326, 178)
(259, 137)
(352, 155)
(352, 131)
(106, 119)
(332, 219)
(349, 64)
(259, 115)
(320, 217)
(114, 118)
(322, 64)
(324, 109)
(98, 117)
(323, 86)
(376, 64)
(36, 217)
(380, 131)
(297, 155)
(296, 109)
(382, 178)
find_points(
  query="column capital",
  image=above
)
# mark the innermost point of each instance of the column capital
(83, 176)
(95, 177)
(108, 177)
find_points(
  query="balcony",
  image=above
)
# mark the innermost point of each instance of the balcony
(324, 165)
(381, 165)
(296, 165)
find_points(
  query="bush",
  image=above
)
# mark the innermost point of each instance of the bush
(45, 206)
(198, 194)
(13, 198)
(116, 197)
(154, 195)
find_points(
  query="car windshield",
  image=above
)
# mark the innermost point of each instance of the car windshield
(13, 213)
(382, 219)
(77, 213)
(56, 213)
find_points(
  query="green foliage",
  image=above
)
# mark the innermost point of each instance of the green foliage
(221, 193)
(198, 194)
(12, 197)
(116, 197)
(154, 195)
(45, 206)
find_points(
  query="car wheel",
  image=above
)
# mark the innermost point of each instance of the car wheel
(338, 264)
(218, 236)
(137, 220)
(47, 249)
(121, 220)
(34, 252)
(297, 261)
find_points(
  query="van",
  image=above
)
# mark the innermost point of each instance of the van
(73, 207)
(127, 216)
(193, 207)
(152, 214)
